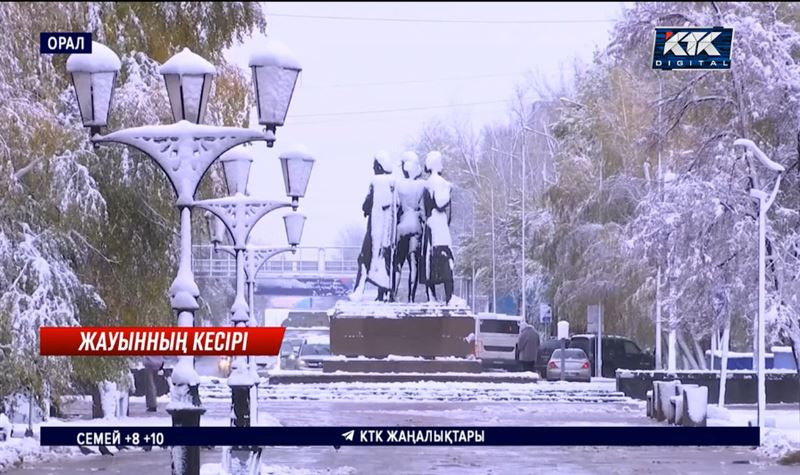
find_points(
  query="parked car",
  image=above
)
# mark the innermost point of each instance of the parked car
(546, 349)
(313, 352)
(496, 338)
(296, 343)
(288, 355)
(618, 353)
(576, 365)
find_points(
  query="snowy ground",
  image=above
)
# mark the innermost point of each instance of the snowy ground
(25, 451)
(450, 404)
(782, 437)
(601, 390)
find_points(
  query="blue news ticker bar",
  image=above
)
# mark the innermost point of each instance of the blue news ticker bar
(342, 436)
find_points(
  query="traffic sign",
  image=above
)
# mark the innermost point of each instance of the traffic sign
(545, 313)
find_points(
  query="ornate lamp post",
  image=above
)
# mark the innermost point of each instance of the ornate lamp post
(239, 213)
(255, 258)
(764, 203)
(184, 151)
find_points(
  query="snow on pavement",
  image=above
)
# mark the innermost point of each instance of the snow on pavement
(780, 437)
(214, 469)
(601, 391)
(15, 451)
(18, 450)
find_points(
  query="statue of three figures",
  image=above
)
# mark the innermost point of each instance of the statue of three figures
(408, 222)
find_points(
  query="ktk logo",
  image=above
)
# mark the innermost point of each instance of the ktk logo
(692, 48)
(696, 43)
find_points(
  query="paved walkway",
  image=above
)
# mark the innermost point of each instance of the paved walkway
(446, 460)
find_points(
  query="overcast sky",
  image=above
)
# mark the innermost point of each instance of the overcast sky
(359, 70)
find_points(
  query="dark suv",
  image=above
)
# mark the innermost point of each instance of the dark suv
(618, 353)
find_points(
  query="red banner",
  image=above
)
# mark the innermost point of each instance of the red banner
(159, 341)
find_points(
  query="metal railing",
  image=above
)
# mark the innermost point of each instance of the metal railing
(331, 261)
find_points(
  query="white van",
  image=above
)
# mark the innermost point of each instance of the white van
(496, 338)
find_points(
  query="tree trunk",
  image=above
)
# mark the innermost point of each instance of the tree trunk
(97, 407)
(687, 352)
(701, 358)
(714, 347)
(723, 373)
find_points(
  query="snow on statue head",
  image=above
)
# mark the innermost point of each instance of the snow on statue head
(382, 163)
(411, 166)
(433, 162)
(410, 157)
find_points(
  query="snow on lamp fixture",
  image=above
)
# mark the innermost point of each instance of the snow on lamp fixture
(188, 78)
(275, 73)
(236, 165)
(294, 223)
(93, 77)
(216, 228)
(296, 167)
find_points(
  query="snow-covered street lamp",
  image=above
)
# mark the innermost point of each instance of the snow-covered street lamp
(296, 166)
(93, 77)
(184, 151)
(236, 165)
(764, 202)
(188, 78)
(294, 223)
(275, 73)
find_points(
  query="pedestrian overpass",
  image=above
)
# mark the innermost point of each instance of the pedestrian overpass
(335, 262)
(310, 271)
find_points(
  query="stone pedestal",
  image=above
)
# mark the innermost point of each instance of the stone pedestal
(378, 330)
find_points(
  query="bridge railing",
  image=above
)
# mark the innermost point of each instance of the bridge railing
(330, 260)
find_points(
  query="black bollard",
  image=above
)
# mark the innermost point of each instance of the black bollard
(241, 406)
(240, 395)
(186, 460)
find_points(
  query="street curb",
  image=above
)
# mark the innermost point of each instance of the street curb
(396, 378)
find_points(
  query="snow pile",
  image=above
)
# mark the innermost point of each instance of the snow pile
(396, 358)
(187, 62)
(274, 53)
(240, 376)
(5, 427)
(457, 307)
(781, 349)
(14, 452)
(777, 443)
(108, 398)
(739, 354)
(215, 469)
(184, 373)
(101, 59)
(428, 391)
(17, 451)
(696, 399)
(318, 340)
(718, 413)
(778, 439)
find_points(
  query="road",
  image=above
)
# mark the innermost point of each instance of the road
(416, 409)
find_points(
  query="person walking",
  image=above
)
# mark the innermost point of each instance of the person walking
(527, 347)
(152, 365)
